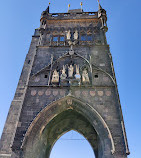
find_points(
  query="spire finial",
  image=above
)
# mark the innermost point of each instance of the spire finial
(99, 5)
(48, 7)
(68, 7)
(81, 5)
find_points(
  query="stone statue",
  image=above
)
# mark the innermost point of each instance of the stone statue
(85, 76)
(63, 75)
(70, 71)
(55, 77)
(76, 35)
(68, 35)
(77, 75)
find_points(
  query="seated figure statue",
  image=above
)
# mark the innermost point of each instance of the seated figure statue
(55, 77)
(85, 76)
(63, 75)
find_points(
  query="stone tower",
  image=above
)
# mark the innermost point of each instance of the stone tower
(67, 83)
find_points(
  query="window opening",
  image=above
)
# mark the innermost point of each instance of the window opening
(83, 37)
(54, 15)
(96, 76)
(45, 76)
(62, 38)
(89, 37)
(55, 38)
(91, 13)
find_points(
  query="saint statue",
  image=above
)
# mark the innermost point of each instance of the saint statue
(77, 75)
(70, 71)
(76, 35)
(55, 77)
(85, 76)
(63, 75)
(68, 35)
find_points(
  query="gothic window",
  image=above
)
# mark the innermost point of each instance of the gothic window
(83, 37)
(89, 37)
(62, 38)
(55, 38)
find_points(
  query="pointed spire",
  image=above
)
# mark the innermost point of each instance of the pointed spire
(47, 10)
(99, 5)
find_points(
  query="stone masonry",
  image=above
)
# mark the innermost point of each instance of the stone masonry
(67, 82)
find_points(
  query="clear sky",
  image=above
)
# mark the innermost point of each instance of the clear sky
(19, 18)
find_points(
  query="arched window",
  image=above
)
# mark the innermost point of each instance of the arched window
(72, 145)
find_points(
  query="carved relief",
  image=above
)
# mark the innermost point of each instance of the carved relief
(63, 75)
(55, 77)
(76, 35)
(77, 75)
(85, 76)
(70, 71)
(68, 35)
(33, 92)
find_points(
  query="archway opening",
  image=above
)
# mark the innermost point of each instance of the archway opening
(72, 145)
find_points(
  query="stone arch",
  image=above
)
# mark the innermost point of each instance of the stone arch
(82, 137)
(44, 130)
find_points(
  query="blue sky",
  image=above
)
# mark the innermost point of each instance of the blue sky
(18, 19)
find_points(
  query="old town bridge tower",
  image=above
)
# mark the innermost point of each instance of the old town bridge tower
(67, 83)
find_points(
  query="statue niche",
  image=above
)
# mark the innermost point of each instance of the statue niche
(55, 77)
(85, 76)
(76, 35)
(63, 75)
(77, 75)
(70, 71)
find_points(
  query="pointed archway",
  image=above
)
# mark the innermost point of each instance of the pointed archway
(62, 116)
(72, 144)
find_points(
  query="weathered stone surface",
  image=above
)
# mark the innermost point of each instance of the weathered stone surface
(42, 110)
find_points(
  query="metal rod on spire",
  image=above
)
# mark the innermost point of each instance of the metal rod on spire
(99, 4)
(81, 5)
(68, 7)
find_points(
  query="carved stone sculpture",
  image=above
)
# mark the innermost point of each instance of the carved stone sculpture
(77, 75)
(76, 35)
(68, 35)
(63, 75)
(70, 71)
(55, 77)
(85, 76)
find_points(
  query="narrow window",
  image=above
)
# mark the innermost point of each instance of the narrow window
(89, 37)
(62, 38)
(83, 37)
(55, 38)
(45, 76)
(96, 76)
(28, 61)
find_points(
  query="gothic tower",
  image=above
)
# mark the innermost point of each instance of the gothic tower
(67, 82)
